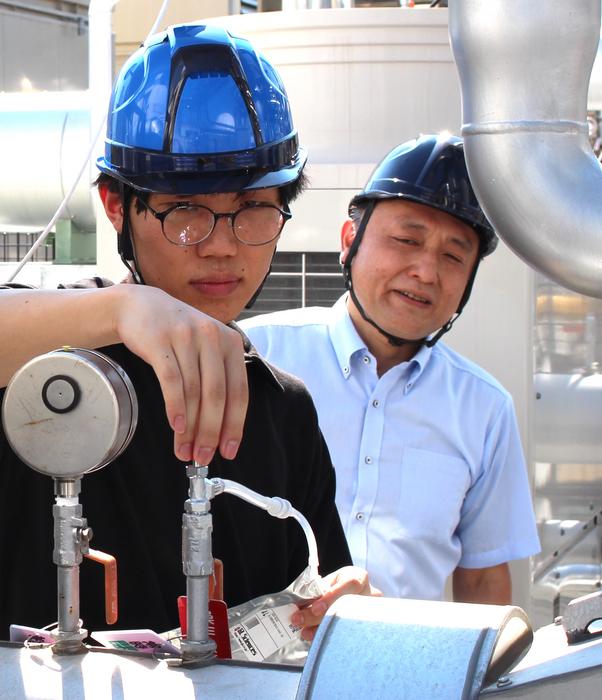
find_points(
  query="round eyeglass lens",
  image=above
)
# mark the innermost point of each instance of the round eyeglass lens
(257, 225)
(186, 225)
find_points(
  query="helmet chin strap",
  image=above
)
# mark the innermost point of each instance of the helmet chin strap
(125, 243)
(395, 340)
(392, 339)
(253, 299)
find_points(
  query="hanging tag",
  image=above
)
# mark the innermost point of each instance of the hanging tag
(30, 635)
(144, 641)
(218, 628)
(216, 582)
(218, 625)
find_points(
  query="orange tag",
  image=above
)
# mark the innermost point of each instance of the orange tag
(216, 582)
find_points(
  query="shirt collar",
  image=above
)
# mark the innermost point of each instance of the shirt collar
(346, 342)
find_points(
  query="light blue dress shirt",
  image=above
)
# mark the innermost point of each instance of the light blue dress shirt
(430, 469)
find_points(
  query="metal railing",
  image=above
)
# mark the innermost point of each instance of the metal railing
(299, 280)
(13, 246)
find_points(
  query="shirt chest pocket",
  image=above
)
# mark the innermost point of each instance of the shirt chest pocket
(432, 490)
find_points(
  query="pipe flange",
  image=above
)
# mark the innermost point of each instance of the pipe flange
(197, 653)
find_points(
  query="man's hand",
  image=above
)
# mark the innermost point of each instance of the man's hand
(491, 585)
(200, 366)
(349, 579)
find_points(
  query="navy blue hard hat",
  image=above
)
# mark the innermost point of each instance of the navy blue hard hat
(431, 170)
(197, 110)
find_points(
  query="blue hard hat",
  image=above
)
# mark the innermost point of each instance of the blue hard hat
(431, 170)
(197, 110)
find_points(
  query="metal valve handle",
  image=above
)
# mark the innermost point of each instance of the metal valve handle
(110, 571)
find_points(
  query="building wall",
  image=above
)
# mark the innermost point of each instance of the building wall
(46, 47)
(43, 52)
(132, 19)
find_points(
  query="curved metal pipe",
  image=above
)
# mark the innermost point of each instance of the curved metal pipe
(524, 68)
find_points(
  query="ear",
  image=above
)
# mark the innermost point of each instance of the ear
(347, 236)
(111, 201)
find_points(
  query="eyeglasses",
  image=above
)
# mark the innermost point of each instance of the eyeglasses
(253, 224)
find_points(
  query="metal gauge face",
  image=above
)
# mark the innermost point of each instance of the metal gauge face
(69, 412)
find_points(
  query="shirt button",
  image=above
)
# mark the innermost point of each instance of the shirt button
(359, 516)
(366, 360)
(368, 460)
(346, 370)
(376, 403)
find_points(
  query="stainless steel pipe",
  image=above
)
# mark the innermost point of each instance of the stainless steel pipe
(524, 68)
(68, 555)
(197, 595)
(197, 564)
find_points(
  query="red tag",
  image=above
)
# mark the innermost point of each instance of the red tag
(219, 630)
(218, 625)
(182, 614)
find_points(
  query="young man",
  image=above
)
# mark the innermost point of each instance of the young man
(431, 478)
(200, 165)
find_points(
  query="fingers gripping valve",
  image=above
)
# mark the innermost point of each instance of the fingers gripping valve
(48, 409)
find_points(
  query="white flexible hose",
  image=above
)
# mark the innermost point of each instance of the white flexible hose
(278, 508)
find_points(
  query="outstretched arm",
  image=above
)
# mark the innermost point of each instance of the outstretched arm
(199, 361)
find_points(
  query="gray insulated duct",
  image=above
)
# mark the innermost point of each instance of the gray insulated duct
(41, 151)
(524, 68)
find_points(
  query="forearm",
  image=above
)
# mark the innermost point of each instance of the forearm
(491, 585)
(37, 321)
(181, 344)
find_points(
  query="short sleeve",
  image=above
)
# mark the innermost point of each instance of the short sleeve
(497, 522)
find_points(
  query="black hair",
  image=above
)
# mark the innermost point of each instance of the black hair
(288, 193)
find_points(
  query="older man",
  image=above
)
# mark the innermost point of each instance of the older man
(431, 479)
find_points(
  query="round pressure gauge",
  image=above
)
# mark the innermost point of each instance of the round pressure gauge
(69, 412)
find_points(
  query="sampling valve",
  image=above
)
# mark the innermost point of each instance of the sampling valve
(67, 391)
(197, 562)
(197, 557)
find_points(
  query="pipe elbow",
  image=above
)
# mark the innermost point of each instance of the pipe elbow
(542, 192)
(524, 70)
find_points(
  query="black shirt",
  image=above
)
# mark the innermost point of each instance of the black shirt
(135, 505)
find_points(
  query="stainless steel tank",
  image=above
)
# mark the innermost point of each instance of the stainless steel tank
(567, 418)
(43, 140)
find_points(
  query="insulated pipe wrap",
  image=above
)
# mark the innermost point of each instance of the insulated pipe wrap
(524, 69)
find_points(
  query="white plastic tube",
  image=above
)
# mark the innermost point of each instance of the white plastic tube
(278, 508)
